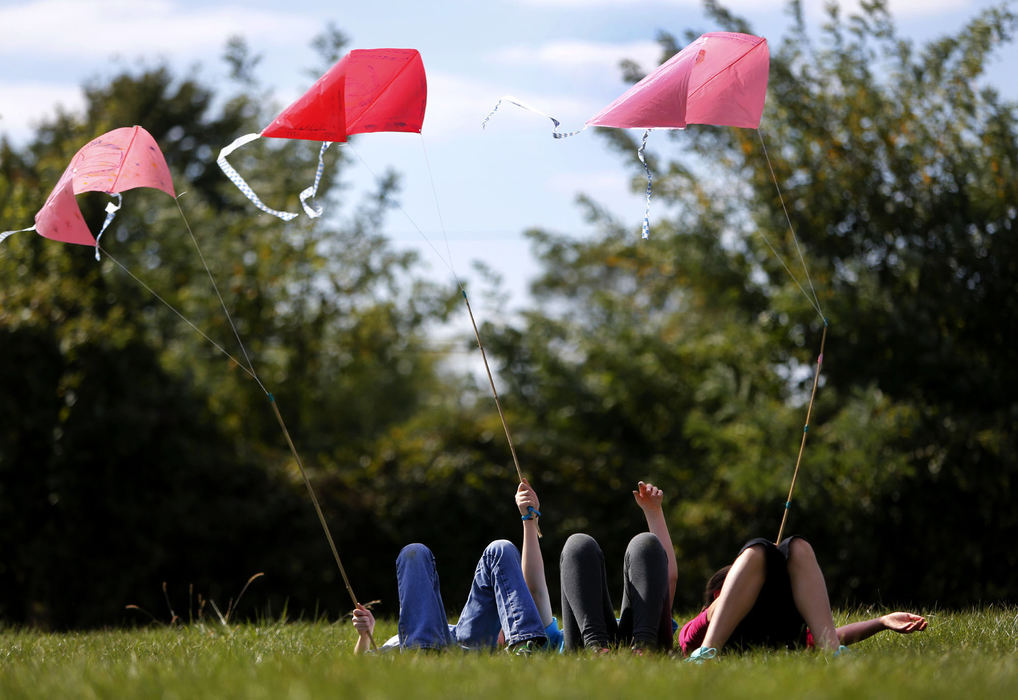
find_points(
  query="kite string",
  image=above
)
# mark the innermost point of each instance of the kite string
(473, 323)
(814, 300)
(249, 369)
(181, 316)
(463, 291)
(438, 209)
(279, 416)
(222, 302)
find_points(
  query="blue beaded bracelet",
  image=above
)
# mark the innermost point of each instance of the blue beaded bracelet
(531, 513)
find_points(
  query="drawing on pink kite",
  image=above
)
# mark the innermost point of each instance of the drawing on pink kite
(368, 90)
(719, 79)
(117, 161)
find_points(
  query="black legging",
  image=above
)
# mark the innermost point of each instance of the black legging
(588, 617)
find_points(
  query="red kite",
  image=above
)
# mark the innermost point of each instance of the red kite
(368, 90)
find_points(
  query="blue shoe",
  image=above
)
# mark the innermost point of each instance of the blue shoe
(702, 654)
(841, 650)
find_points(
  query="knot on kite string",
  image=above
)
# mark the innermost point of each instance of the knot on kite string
(111, 211)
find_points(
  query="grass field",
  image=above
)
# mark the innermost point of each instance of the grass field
(971, 654)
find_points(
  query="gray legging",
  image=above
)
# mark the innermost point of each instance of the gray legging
(588, 617)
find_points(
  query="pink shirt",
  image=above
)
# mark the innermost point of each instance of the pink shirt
(692, 633)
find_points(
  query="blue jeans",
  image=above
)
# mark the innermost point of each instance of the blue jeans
(498, 600)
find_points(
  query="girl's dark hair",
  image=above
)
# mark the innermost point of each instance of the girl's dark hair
(714, 584)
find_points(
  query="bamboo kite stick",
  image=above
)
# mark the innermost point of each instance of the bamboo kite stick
(805, 432)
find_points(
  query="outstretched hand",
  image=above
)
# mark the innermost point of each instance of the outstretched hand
(904, 622)
(648, 497)
(526, 498)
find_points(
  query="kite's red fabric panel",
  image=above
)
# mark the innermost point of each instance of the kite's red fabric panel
(118, 160)
(367, 90)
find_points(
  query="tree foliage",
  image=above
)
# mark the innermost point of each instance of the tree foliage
(133, 452)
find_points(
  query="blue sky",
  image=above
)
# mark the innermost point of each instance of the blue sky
(559, 55)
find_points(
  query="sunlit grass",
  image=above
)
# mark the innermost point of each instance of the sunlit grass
(962, 654)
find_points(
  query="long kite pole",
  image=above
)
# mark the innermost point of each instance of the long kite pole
(805, 432)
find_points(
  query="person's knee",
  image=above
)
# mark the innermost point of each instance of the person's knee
(414, 555)
(799, 550)
(753, 558)
(501, 549)
(413, 551)
(645, 543)
(579, 545)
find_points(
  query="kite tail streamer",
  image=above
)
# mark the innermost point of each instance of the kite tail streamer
(650, 179)
(805, 432)
(7, 234)
(522, 105)
(111, 211)
(237, 180)
(315, 211)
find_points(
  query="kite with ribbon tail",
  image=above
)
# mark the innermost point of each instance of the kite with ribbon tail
(120, 160)
(719, 79)
(117, 161)
(368, 90)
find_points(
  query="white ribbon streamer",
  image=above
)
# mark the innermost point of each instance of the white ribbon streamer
(237, 180)
(523, 105)
(6, 234)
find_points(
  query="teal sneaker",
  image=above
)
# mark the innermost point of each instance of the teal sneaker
(702, 654)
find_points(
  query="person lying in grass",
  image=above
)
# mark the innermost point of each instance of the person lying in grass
(648, 586)
(499, 607)
(775, 596)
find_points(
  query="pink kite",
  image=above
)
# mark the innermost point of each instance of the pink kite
(118, 160)
(719, 79)
(368, 90)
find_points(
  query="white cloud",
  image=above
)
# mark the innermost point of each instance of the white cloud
(24, 104)
(581, 56)
(102, 27)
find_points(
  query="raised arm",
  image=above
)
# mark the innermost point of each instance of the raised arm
(649, 498)
(901, 622)
(532, 561)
